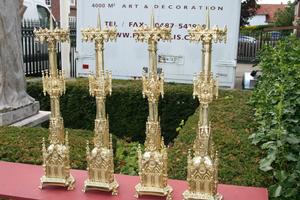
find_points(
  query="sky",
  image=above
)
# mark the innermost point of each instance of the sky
(272, 1)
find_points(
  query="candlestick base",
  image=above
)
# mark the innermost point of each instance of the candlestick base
(153, 173)
(56, 165)
(154, 191)
(101, 168)
(68, 182)
(107, 187)
(187, 195)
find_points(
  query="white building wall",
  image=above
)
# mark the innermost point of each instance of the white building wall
(258, 20)
(179, 58)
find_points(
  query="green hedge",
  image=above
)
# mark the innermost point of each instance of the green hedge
(251, 29)
(232, 123)
(276, 100)
(126, 107)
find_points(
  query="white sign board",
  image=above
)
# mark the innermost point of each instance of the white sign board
(179, 59)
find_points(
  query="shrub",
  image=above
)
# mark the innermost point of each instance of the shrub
(126, 160)
(276, 100)
(126, 107)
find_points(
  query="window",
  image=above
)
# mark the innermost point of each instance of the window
(44, 15)
(48, 2)
(72, 2)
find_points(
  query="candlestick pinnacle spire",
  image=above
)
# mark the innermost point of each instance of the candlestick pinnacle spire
(207, 20)
(152, 20)
(51, 22)
(99, 20)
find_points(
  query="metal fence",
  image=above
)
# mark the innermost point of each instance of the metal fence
(249, 44)
(35, 54)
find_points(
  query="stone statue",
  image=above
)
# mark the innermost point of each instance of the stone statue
(12, 80)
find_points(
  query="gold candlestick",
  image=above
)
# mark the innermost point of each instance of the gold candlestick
(153, 162)
(100, 160)
(56, 163)
(202, 175)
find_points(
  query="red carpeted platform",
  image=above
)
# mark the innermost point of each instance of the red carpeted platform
(21, 181)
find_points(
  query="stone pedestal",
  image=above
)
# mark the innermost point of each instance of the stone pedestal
(13, 116)
(34, 120)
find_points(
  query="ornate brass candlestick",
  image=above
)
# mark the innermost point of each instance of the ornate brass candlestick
(153, 162)
(56, 163)
(100, 160)
(202, 167)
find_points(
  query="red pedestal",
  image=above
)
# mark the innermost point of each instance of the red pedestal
(21, 181)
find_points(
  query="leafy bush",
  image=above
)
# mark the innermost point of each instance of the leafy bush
(127, 160)
(276, 100)
(232, 123)
(126, 107)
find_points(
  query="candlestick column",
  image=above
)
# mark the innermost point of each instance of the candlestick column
(153, 161)
(202, 174)
(56, 163)
(100, 160)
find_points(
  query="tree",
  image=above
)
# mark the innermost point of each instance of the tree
(248, 10)
(285, 17)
